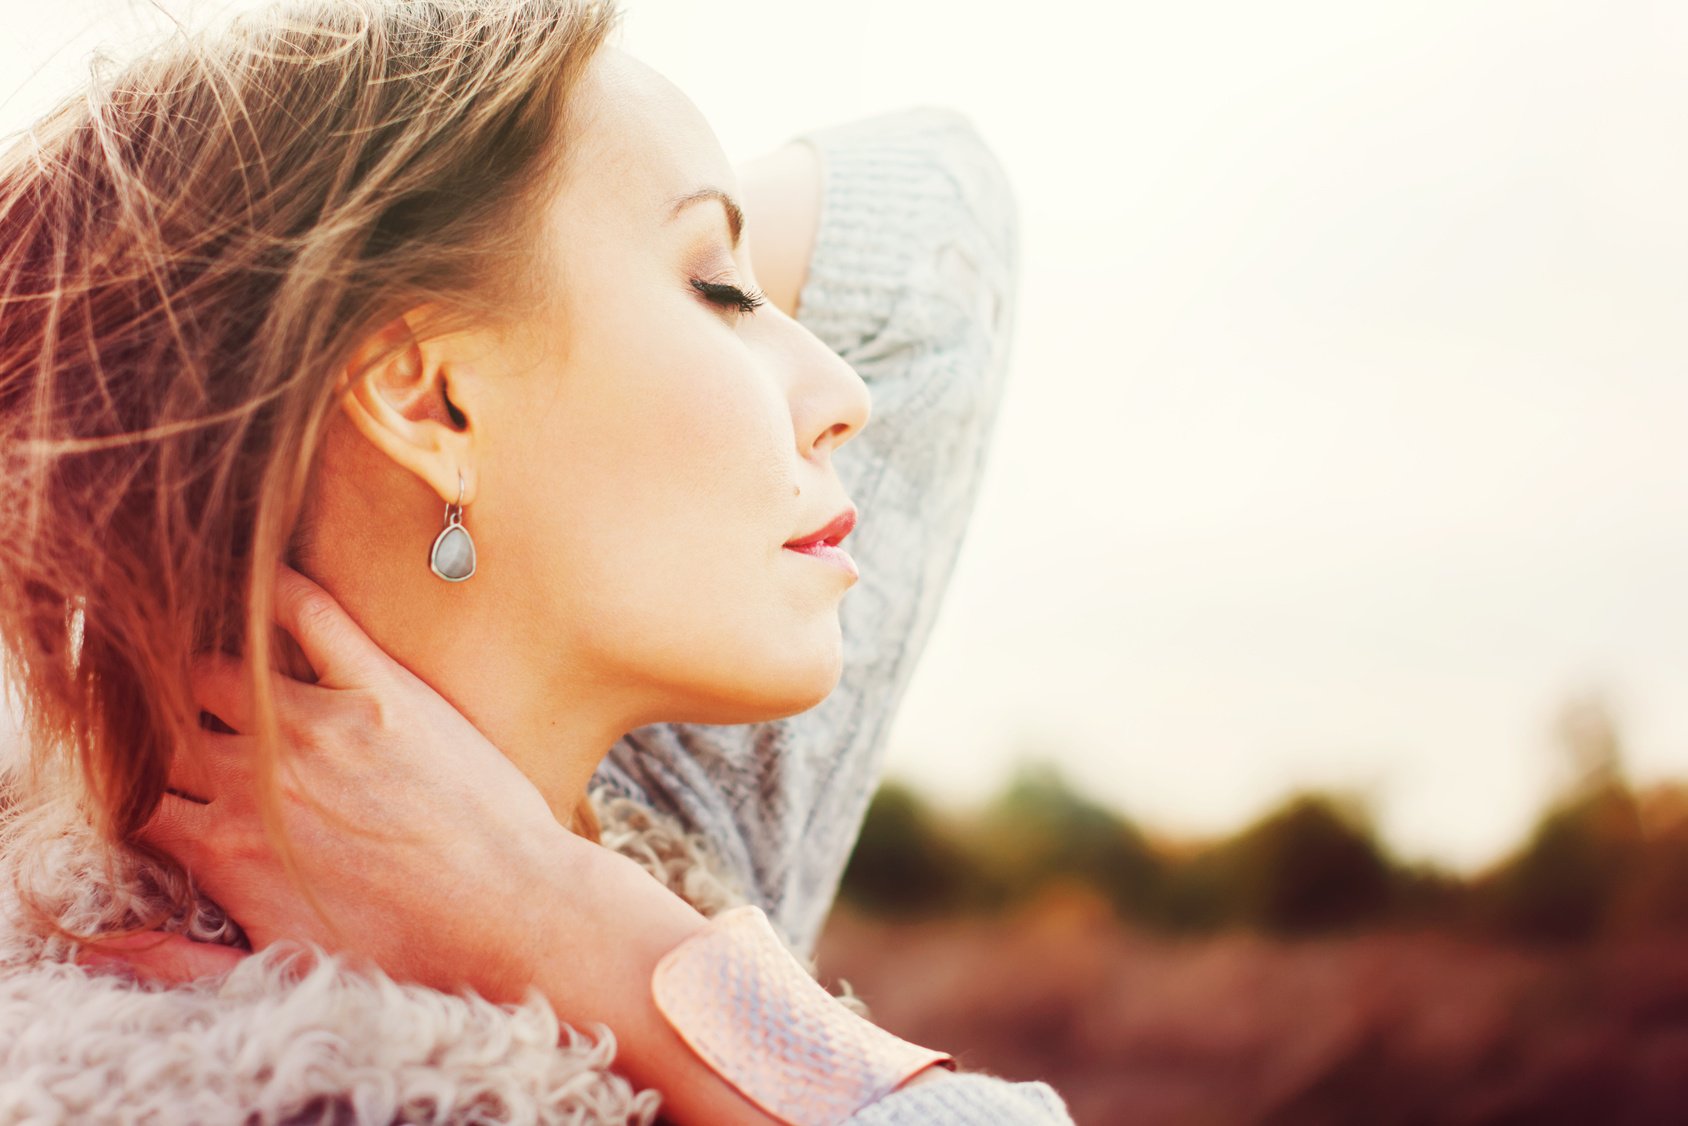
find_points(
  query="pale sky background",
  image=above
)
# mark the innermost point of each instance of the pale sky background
(1345, 440)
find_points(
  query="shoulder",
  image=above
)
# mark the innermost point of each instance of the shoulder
(271, 1037)
(288, 1028)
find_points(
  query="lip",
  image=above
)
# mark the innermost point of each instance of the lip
(827, 553)
(829, 534)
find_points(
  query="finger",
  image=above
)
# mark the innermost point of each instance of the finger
(178, 826)
(214, 766)
(222, 685)
(336, 646)
(158, 956)
(191, 775)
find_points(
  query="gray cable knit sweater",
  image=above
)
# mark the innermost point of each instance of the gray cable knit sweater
(913, 282)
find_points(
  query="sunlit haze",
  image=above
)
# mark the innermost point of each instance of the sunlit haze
(1347, 433)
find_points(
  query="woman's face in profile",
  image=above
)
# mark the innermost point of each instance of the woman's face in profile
(636, 484)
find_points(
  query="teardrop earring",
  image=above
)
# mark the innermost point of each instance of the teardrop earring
(453, 554)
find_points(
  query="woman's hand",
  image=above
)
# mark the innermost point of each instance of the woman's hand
(436, 858)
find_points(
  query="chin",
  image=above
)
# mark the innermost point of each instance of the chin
(784, 689)
(789, 696)
(751, 675)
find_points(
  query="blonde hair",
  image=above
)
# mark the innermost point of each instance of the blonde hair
(190, 251)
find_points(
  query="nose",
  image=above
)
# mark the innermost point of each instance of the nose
(830, 402)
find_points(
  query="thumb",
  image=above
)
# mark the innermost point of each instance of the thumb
(157, 956)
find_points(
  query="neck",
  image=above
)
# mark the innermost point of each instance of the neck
(478, 643)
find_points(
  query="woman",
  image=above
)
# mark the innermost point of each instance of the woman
(280, 294)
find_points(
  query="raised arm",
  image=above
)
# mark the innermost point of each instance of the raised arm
(912, 280)
(782, 192)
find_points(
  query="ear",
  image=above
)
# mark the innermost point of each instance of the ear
(396, 390)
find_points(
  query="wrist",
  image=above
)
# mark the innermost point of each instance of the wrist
(600, 948)
(547, 904)
(745, 1004)
(604, 922)
(693, 1003)
(926, 1075)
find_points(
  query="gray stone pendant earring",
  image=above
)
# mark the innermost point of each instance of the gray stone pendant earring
(453, 556)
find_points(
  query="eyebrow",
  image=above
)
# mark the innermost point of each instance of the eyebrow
(735, 213)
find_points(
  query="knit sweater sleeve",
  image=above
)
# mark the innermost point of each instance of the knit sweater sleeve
(912, 281)
(968, 1097)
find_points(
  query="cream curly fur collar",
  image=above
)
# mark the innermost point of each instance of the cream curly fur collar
(271, 1043)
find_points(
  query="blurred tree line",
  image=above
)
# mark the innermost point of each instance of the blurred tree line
(1604, 859)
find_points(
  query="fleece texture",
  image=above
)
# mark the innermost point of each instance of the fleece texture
(290, 1034)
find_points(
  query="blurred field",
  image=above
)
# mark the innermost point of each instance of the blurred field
(1294, 972)
(1376, 1028)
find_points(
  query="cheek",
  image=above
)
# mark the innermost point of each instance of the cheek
(698, 439)
(660, 480)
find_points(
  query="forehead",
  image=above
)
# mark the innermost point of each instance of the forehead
(639, 142)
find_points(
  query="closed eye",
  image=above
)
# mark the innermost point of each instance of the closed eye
(730, 296)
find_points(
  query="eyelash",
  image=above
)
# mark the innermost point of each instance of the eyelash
(730, 296)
